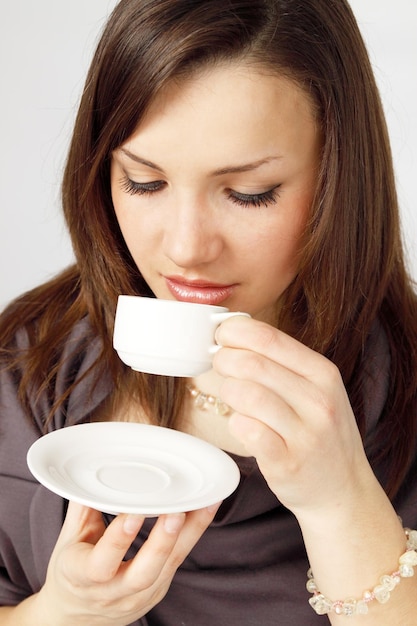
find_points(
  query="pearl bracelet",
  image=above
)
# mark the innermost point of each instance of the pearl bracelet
(381, 592)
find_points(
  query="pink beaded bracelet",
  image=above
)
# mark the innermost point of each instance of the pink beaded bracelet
(381, 593)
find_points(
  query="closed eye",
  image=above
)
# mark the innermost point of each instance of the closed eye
(133, 188)
(258, 200)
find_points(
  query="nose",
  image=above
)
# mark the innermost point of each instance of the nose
(192, 235)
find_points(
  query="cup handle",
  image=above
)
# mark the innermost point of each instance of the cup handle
(221, 317)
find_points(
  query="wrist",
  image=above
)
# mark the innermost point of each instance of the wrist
(351, 544)
(381, 593)
(30, 612)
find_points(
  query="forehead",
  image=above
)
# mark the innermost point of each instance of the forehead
(228, 82)
(232, 106)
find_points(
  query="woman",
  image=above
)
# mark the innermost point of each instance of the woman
(231, 152)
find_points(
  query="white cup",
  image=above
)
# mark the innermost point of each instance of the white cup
(167, 336)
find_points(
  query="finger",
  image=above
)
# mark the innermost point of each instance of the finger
(258, 387)
(195, 526)
(250, 334)
(81, 524)
(106, 557)
(255, 400)
(168, 544)
(146, 567)
(308, 382)
(106, 563)
(260, 441)
(280, 467)
(246, 365)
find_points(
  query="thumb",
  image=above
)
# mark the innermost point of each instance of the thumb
(81, 524)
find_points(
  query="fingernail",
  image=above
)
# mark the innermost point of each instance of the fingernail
(132, 524)
(174, 523)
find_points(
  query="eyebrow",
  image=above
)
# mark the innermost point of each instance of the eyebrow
(232, 169)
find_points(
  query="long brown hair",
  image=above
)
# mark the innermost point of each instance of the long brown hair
(352, 270)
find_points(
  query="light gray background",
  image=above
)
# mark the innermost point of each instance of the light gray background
(45, 50)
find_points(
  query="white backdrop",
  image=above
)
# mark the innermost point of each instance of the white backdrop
(45, 50)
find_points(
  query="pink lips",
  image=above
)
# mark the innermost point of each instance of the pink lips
(199, 291)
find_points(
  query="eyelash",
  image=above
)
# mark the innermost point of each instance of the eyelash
(255, 200)
(244, 200)
(141, 189)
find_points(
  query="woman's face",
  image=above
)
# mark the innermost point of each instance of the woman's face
(213, 190)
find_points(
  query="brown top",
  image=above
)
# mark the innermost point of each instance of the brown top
(249, 568)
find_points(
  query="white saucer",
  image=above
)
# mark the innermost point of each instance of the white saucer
(121, 467)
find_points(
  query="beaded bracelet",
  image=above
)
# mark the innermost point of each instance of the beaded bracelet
(381, 593)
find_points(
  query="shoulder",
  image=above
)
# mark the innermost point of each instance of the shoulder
(75, 379)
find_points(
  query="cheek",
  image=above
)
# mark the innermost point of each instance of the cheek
(141, 236)
(292, 234)
(128, 216)
(279, 250)
(280, 243)
(283, 259)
